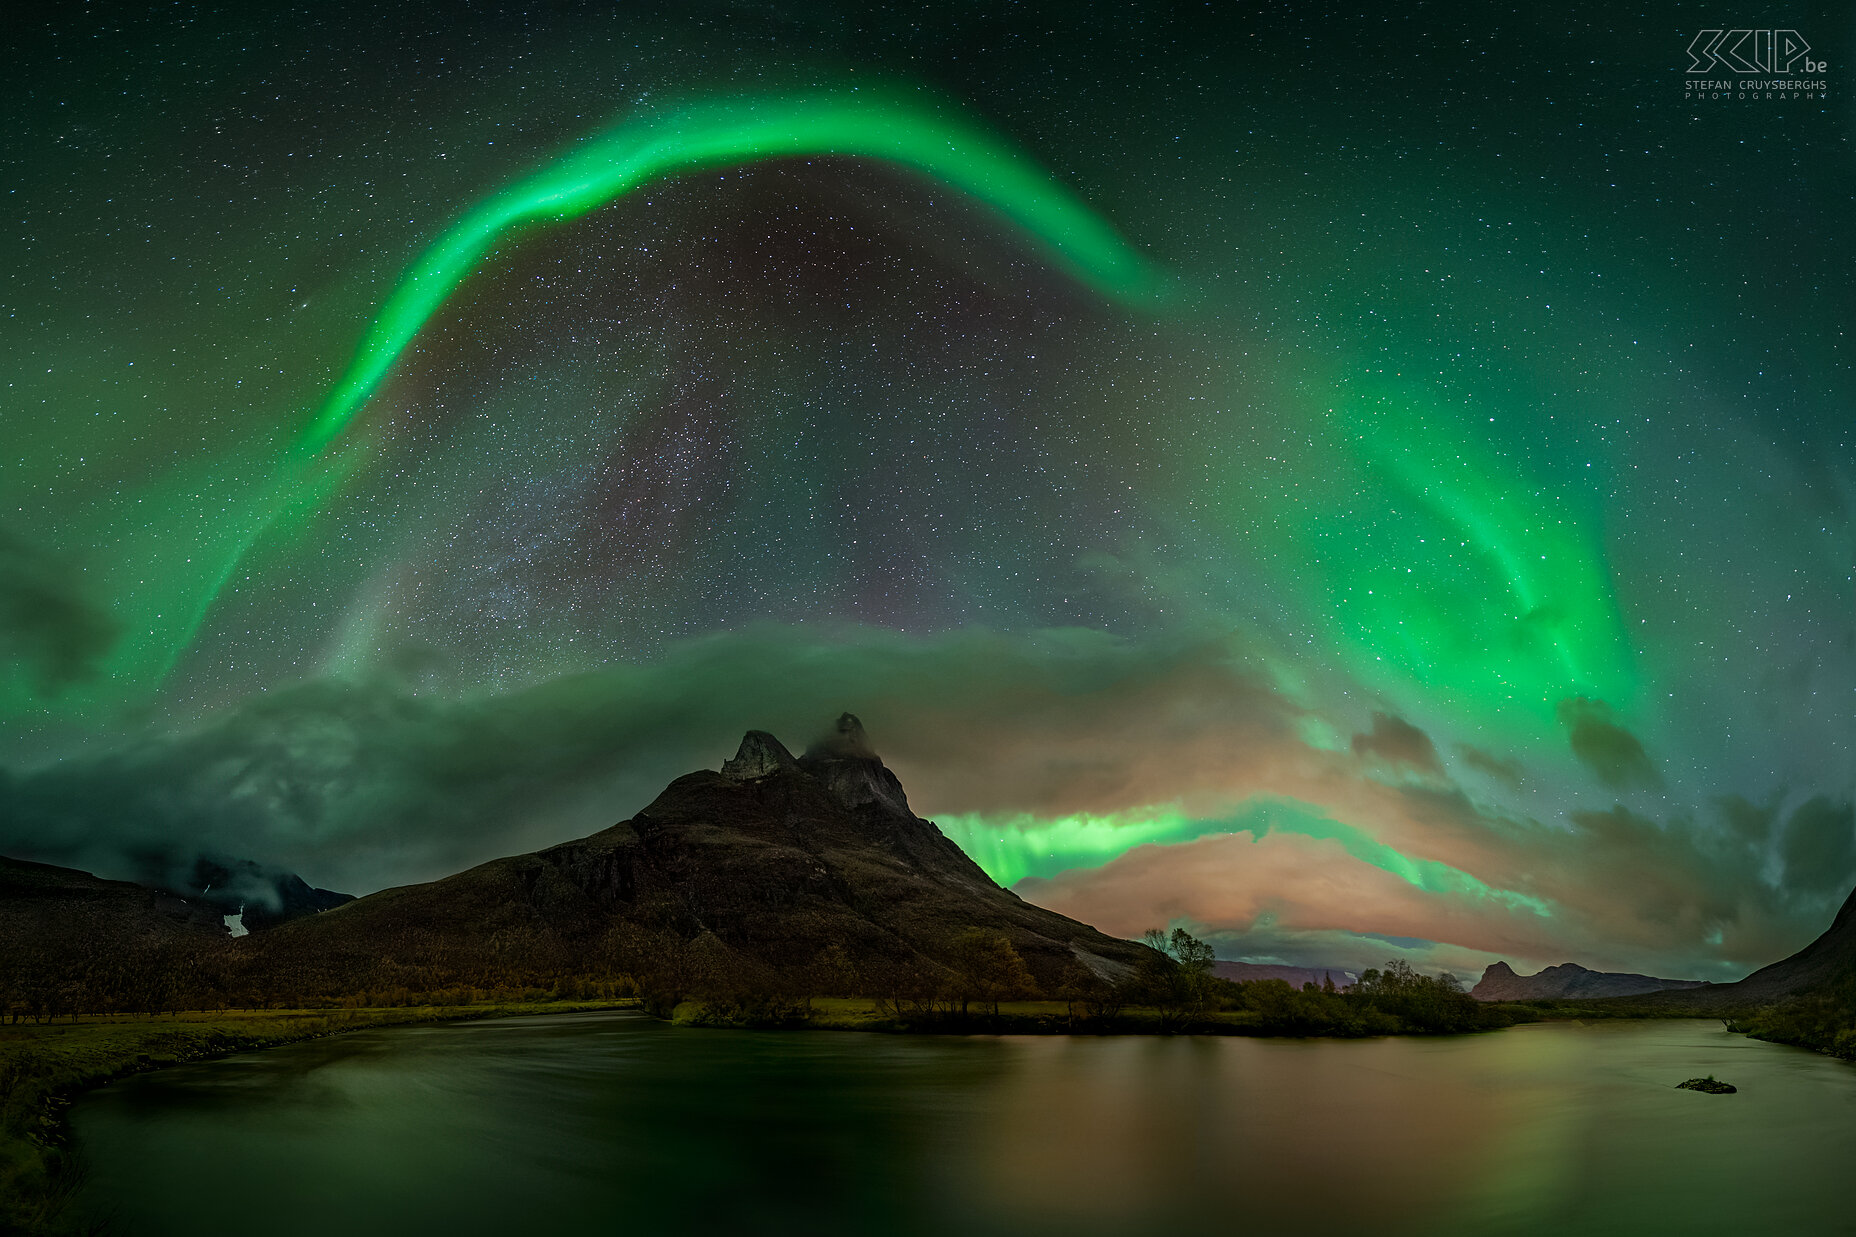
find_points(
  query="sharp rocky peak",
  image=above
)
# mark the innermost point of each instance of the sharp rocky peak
(845, 740)
(842, 760)
(760, 754)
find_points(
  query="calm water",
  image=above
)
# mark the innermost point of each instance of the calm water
(618, 1124)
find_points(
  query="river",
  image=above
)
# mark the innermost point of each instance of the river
(614, 1123)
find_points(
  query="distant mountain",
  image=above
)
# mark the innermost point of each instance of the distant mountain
(264, 896)
(773, 867)
(1569, 979)
(1294, 976)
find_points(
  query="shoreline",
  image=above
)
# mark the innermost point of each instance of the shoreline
(1039, 1017)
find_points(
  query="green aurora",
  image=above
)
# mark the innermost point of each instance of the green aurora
(1011, 849)
(1105, 439)
(1473, 579)
(727, 133)
(717, 134)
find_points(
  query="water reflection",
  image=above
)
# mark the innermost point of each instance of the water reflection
(621, 1123)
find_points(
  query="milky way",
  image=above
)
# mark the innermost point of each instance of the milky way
(720, 134)
(1351, 498)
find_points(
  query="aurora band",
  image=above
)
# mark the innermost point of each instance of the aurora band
(865, 124)
(725, 134)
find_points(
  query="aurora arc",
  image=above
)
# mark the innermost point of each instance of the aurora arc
(1468, 579)
(956, 155)
(1012, 848)
(871, 125)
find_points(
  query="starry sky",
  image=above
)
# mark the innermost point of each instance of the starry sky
(1358, 484)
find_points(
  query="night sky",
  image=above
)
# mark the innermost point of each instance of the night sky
(1359, 484)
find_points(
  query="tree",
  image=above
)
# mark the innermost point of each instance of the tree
(1421, 1002)
(1179, 973)
(1088, 994)
(1195, 966)
(833, 973)
(989, 969)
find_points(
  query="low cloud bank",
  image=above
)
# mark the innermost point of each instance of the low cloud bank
(357, 785)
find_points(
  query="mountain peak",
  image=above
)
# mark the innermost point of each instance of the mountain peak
(845, 740)
(760, 754)
(842, 760)
(851, 770)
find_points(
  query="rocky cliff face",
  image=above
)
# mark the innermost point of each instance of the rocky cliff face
(772, 867)
(1568, 979)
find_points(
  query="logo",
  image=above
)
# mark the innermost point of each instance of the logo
(1751, 51)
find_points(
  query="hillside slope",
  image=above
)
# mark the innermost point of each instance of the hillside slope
(68, 938)
(1829, 959)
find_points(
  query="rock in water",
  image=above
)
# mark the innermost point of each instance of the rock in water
(1710, 1084)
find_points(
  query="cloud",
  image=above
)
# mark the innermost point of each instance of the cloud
(52, 633)
(1683, 897)
(1051, 737)
(1750, 822)
(359, 784)
(1612, 754)
(1253, 893)
(1504, 769)
(1396, 740)
(1820, 846)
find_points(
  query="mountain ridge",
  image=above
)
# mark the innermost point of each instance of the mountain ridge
(1568, 979)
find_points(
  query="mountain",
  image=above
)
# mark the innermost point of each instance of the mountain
(63, 929)
(263, 896)
(1294, 976)
(1569, 979)
(46, 910)
(775, 869)
(1823, 970)
(1828, 960)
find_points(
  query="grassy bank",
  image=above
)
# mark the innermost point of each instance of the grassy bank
(44, 1067)
(1823, 1020)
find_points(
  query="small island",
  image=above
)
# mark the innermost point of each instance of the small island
(1710, 1084)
